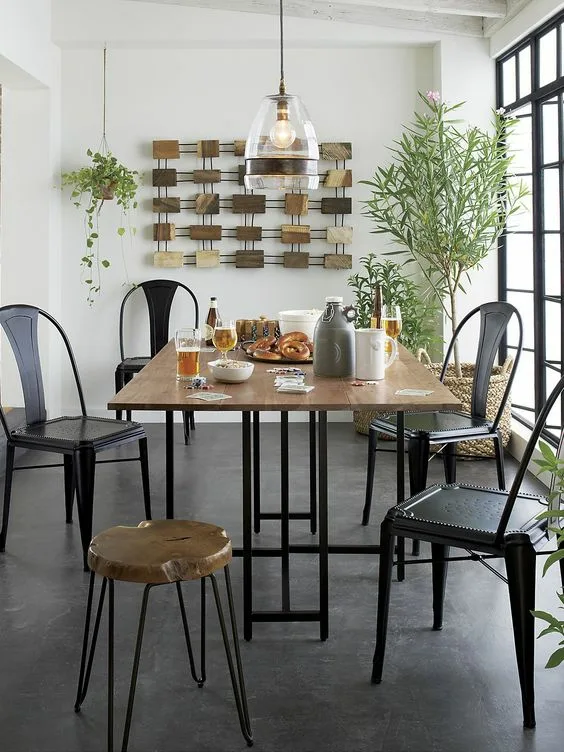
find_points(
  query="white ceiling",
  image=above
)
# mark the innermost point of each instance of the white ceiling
(475, 18)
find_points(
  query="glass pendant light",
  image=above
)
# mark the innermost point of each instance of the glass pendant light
(281, 150)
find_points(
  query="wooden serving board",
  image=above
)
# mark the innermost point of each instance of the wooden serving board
(283, 361)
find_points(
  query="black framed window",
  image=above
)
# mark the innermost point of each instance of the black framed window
(530, 86)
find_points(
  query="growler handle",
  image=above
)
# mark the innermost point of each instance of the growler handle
(349, 313)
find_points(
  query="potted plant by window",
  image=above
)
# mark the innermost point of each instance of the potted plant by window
(92, 186)
(417, 303)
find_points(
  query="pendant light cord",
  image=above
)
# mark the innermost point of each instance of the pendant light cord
(282, 89)
(103, 143)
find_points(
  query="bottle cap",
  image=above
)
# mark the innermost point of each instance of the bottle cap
(334, 299)
(212, 298)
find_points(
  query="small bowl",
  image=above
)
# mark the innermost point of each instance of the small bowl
(234, 372)
(299, 321)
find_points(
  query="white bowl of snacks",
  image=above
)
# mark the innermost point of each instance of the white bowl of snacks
(231, 371)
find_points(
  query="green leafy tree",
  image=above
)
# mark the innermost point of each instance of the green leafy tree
(446, 196)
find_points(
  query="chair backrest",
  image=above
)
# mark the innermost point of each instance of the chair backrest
(494, 320)
(159, 294)
(20, 322)
(525, 460)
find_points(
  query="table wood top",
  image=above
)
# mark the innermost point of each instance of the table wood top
(156, 388)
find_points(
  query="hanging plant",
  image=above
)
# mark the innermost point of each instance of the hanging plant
(104, 179)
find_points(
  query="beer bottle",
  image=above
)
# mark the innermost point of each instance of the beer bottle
(212, 317)
(376, 318)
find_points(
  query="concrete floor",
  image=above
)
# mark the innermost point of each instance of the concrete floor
(450, 691)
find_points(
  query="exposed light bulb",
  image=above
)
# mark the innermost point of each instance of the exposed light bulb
(282, 134)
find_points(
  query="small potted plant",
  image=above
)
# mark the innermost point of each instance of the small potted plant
(105, 179)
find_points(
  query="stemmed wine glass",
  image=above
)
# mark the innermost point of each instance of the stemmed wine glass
(224, 336)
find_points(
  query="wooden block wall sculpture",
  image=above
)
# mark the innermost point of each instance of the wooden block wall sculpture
(168, 259)
(207, 203)
(341, 205)
(296, 204)
(207, 149)
(295, 260)
(335, 150)
(245, 232)
(295, 233)
(338, 179)
(166, 150)
(340, 235)
(249, 204)
(249, 259)
(337, 261)
(205, 232)
(166, 205)
(164, 178)
(207, 259)
(164, 231)
(206, 176)
(239, 147)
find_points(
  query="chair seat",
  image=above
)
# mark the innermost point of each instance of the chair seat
(466, 513)
(68, 433)
(133, 365)
(159, 551)
(437, 425)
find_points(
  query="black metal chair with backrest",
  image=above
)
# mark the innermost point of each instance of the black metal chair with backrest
(159, 295)
(483, 521)
(78, 438)
(450, 427)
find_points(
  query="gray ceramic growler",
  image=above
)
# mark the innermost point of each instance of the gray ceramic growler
(333, 340)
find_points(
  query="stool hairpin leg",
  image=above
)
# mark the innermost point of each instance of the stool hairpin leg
(237, 680)
(202, 678)
(84, 677)
(111, 667)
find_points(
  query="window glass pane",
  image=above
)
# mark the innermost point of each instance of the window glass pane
(519, 259)
(552, 331)
(523, 389)
(547, 58)
(551, 198)
(525, 72)
(523, 302)
(523, 220)
(552, 273)
(550, 140)
(509, 84)
(555, 415)
(520, 145)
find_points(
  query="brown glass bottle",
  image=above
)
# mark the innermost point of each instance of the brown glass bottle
(212, 317)
(376, 317)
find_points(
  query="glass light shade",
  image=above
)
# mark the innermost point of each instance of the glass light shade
(281, 150)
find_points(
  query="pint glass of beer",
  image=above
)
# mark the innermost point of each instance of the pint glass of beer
(187, 353)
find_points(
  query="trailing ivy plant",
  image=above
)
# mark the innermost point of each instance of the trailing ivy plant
(555, 465)
(92, 186)
(419, 307)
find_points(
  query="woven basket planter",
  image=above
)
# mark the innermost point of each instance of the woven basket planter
(461, 387)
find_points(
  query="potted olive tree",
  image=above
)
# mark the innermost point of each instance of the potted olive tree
(104, 179)
(446, 196)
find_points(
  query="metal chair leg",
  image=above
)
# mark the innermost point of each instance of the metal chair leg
(9, 473)
(499, 461)
(192, 420)
(186, 427)
(384, 587)
(440, 568)
(237, 680)
(202, 678)
(84, 676)
(449, 462)
(135, 669)
(144, 460)
(119, 383)
(372, 447)
(69, 487)
(418, 458)
(84, 464)
(520, 562)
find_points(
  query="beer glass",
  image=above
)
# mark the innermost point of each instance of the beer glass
(391, 323)
(187, 353)
(224, 336)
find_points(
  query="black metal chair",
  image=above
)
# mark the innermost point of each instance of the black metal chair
(450, 427)
(494, 523)
(78, 438)
(159, 295)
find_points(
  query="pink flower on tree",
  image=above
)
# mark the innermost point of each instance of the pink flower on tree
(433, 96)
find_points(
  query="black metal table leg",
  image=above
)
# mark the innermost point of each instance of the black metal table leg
(323, 530)
(256, 471)
(400, 441)
(312, 475)
(169, 460)
(247, 528)
(285, 510)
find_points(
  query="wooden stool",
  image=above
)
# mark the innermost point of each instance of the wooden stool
(155, 553)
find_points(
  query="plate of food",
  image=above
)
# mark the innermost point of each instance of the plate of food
(294, 347)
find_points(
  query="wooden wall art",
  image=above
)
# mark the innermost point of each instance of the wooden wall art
(204, 216)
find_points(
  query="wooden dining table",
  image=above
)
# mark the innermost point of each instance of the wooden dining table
(156, 388)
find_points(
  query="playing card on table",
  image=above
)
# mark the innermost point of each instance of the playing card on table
(210, 396)
(414, 392)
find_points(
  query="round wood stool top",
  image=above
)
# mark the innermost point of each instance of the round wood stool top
(160, 551)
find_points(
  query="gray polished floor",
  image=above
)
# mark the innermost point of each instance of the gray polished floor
(450, 691)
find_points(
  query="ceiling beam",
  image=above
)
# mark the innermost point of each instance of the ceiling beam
(356, 13)
(513, 8)
(482, 8)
